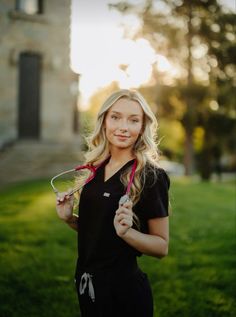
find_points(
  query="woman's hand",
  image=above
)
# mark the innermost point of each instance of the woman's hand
(123, 219)
(64, 206)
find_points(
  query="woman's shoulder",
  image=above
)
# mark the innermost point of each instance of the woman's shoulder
(155, 175)
(154, 196)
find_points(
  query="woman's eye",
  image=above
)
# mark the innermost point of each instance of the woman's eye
(134, 120)
(114, 117)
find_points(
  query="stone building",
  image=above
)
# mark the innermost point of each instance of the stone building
(37, 86)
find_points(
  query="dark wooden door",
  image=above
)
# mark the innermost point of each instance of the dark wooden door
(29, 95)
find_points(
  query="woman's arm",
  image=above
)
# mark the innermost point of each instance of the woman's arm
(155, 243)
(73, 222)
(64, 207)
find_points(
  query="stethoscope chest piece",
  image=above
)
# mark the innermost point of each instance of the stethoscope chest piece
(123, 199)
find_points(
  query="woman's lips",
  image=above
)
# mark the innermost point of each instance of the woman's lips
(122, 137)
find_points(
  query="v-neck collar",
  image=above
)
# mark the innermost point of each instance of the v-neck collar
(118, 171)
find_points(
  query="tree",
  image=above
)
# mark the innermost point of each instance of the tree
(200, 37)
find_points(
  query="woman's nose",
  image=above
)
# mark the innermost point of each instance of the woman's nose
(123, 125)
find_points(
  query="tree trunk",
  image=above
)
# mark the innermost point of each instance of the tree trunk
(188, 150)
(188, 153)
(205, 164)
(206, 157)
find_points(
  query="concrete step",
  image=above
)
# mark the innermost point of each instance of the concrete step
(30, 160)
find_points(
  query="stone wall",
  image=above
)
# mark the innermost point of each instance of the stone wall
(49, 35)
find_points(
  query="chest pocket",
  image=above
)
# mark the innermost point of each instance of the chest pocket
(111, 201)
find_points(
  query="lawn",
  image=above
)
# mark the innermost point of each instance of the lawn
(196, 279)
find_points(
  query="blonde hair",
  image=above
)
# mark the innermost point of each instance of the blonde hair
(145, 149)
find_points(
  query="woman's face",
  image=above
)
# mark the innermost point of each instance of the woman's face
(123, 123)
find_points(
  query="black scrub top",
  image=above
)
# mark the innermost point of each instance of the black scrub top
(99, 247)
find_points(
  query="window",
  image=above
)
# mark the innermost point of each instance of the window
(30, 7)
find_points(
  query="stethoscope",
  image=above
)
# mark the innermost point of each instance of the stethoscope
(93, 169)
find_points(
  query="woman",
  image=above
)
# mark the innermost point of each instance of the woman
(112, 235)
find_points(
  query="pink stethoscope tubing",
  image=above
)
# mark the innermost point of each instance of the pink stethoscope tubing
(93, 170)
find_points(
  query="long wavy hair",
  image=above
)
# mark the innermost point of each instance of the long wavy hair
(145, 149)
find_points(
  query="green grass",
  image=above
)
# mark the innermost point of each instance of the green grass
(196, 279)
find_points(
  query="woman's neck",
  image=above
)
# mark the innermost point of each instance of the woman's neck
(120, 156)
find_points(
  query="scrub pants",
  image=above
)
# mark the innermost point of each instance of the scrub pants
(116, 296)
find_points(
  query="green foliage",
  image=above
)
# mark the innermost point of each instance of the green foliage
(199, 37)
(38, 254)
(171, 138)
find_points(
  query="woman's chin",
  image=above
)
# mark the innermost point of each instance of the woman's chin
(121, 145)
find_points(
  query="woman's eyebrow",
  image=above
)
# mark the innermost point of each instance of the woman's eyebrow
(131, 115)
(115, 112)
(135, 115)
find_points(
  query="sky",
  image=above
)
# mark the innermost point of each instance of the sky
(98, 49)
(231, 4)
(100, 54)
